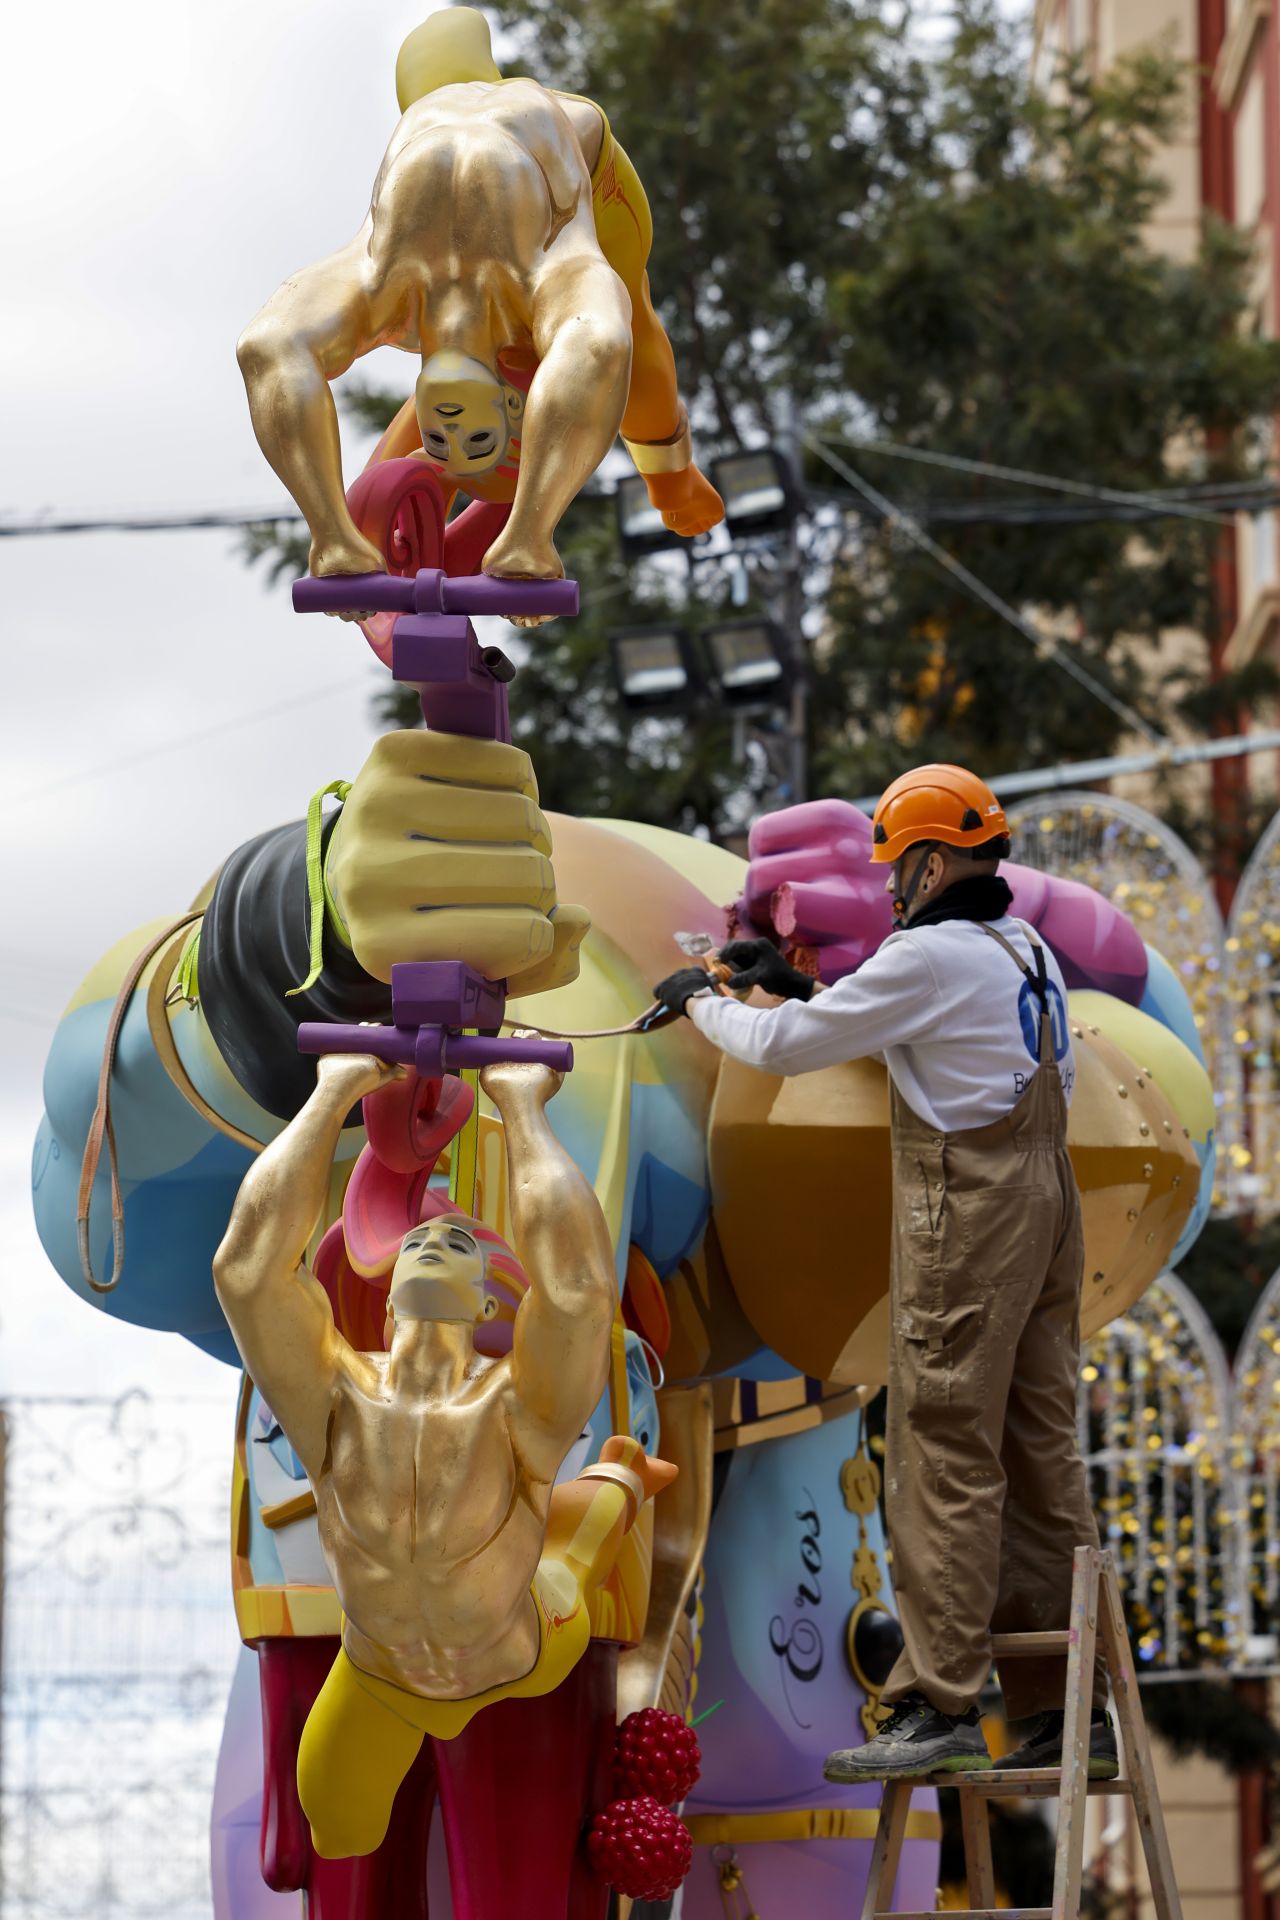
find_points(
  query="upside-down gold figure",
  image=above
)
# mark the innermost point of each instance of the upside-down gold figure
(506, 244)
(463, 1575)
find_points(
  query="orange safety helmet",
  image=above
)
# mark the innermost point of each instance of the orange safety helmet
(938, 803)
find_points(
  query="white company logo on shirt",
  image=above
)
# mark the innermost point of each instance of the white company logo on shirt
(1029, 1019)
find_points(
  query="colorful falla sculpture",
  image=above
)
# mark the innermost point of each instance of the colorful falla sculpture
(550, 1438)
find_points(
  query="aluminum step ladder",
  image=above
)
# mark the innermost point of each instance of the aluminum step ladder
(1097, 1625)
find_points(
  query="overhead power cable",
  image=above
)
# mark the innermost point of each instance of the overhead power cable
(179, 743)
(1215, 505)
(1075, 773)
(1179, 502)
(1032, 510)
(148, 523)
(1047, 646)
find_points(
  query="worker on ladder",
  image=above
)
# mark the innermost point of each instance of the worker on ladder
(986, 1496)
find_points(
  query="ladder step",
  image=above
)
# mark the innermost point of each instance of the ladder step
(1028, 1645)
(970, 1913)
(1023, 1783)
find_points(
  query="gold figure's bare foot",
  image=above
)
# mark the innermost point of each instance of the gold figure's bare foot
(345, 556)
(699, 512)
(520, 559)
(687, 501)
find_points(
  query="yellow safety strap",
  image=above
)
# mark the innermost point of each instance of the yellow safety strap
(464, 1152)
(317, 891)
(187, 984)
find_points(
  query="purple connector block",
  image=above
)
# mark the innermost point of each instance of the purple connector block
(430, 1001)
(433, 645)
(445, 993)
(459, 683)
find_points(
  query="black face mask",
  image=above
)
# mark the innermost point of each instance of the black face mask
(979, 896)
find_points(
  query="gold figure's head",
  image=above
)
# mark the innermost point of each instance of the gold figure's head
(466, 414)
(439, 1273)
(450, 47)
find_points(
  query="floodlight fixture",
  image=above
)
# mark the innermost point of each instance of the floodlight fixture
(655, 668)
(758, 490)
(640, 525)
(750, 662)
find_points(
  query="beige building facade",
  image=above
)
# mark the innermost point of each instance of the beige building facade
(1226, 161)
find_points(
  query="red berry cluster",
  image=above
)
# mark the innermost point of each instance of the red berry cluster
(656, 1753)
(640, 1848)
(637, 1844)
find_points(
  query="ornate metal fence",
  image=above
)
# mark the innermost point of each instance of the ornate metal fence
(1159, 1428)
(1253, 1009)
(1185, 1459)
(119, 1643)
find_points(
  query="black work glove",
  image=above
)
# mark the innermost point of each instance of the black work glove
(679, 988)
(757, 963)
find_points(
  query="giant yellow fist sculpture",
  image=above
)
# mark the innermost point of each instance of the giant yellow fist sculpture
(486, 895)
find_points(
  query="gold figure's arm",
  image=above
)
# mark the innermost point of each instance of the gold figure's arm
(277, 1311)
(560, 1355)
(309, 332)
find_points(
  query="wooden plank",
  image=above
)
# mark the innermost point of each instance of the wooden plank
(972, 1913)
(886, 1852)
(1025, 1783)
(1028, 1645)
(979, 1872)
(1137, 1748)
(1069, 1862)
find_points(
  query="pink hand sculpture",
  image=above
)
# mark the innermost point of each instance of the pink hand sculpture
(811, 881)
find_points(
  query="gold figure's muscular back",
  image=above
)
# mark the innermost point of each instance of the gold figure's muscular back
(482, 187)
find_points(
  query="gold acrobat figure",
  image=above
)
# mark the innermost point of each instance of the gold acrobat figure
(463, 1575)
(506, 243)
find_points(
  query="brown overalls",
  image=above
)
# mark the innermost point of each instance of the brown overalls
(986, 1496)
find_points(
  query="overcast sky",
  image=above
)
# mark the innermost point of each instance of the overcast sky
(165, 165)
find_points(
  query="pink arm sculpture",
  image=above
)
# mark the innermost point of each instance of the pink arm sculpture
(811, 881)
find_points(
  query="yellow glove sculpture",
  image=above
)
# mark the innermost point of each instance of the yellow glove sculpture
(487, 895)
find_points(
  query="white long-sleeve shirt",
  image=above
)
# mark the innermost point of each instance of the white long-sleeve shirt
(956, 1023)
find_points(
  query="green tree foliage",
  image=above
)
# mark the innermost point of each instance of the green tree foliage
(1007, 310)
(862, 234)
(1227, 1268)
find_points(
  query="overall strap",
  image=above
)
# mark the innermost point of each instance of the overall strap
(1039, 978)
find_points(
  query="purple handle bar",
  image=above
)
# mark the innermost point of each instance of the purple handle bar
(431, 591)
(432, 1050)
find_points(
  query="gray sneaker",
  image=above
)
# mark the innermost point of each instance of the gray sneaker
(1043, 1746)
(915, 1741)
